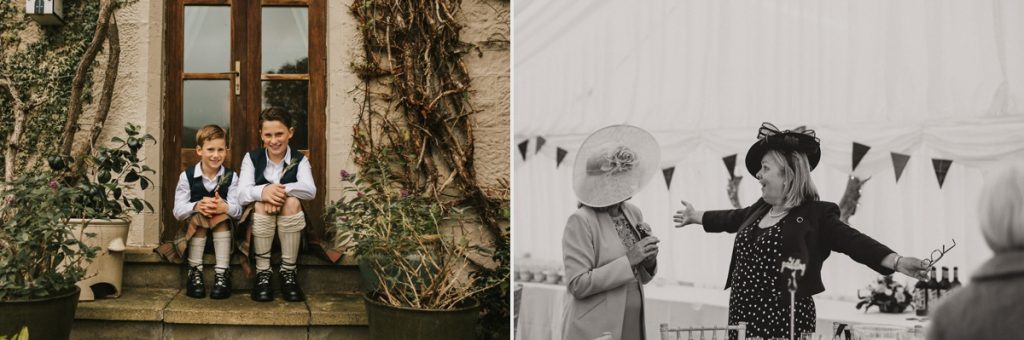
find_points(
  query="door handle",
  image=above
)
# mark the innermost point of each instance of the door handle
(238, 77)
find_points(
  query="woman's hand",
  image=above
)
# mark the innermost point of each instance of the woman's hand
(913, 267)
(646, 247)
(688, 215)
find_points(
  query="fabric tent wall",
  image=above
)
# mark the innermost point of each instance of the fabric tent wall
(932, 79)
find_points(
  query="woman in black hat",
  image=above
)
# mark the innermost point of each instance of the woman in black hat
(788, 222)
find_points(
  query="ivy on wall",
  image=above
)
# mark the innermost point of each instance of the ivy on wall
(42, 69)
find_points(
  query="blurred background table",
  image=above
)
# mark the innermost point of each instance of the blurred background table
(541, 305)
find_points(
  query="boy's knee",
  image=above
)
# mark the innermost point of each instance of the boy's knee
(261, 207)
(292, 206)
(200, 232)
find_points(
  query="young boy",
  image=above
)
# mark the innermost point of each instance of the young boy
(199, 200)
(276, 177)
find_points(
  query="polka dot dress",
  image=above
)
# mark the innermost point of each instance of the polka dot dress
(756, 297)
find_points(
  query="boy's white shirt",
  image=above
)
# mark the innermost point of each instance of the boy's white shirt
(183, 192)
(304, 188)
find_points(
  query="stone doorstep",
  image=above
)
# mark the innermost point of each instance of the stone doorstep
(171, 306)
(314, 279)
(146, 255)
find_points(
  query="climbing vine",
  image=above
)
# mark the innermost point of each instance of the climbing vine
(41, 70)
(416, 116)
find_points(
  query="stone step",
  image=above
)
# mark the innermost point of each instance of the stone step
(145, 269)
(161, 313)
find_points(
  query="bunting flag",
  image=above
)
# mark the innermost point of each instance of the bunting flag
(522, 148)
(899, 162)
(730, 164)
(941, 168)
(859, 150)
(540, 144)
(668, 175)
(559, 156)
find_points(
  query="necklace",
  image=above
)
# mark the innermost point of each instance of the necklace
(776, 215)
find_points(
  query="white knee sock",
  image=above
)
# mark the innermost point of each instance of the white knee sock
(222, 249)
(262, 239)
(289, 230)
(195, 251)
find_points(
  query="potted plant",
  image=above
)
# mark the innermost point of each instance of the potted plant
(417, 284)
(46, 238)
(107, 180)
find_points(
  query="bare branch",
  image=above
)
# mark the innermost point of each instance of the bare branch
(11, 149)
(78, 82)
(109, 80)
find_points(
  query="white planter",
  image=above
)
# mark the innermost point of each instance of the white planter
(108, 266)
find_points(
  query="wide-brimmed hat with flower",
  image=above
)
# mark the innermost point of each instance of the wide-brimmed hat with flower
(613, 164)
(769, 137)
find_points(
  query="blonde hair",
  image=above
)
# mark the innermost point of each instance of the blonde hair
(208, 133)
(1001, 209)
(796, 174)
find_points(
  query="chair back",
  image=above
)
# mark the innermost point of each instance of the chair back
(703, 333)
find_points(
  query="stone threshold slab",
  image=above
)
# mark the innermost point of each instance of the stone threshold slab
(171, 306)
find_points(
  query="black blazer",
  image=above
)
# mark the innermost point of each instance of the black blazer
(810, 232)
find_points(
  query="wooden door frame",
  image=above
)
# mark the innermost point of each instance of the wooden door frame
(245, 14)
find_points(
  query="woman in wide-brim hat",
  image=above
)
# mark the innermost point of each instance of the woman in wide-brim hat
(607, 248)
(788, 222)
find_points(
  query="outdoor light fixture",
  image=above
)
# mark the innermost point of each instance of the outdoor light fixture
(45, 12)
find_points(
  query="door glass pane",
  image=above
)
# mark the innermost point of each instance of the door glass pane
(285, 40)
(207, 39)
(204, 102)
(292, 95)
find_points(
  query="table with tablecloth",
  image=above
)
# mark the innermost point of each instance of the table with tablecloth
(541, 305)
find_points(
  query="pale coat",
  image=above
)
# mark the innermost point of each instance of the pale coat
(597, 271)
(991, 306)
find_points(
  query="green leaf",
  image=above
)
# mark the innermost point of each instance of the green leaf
(131, 177)
(144, 183)
(104, 177)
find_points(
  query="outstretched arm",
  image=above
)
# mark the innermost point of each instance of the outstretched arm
(866, 250)
(729, 221)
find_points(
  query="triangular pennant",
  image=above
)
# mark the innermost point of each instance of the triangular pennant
(540, 143)
(730, 164)
(559, 156)
(941, 168)
(522, 148)
(859, 150)
(899, 162)
(668, 175)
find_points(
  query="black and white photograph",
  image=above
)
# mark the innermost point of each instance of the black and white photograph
(768, 169)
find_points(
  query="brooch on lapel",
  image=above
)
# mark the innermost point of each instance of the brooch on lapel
(799, 219)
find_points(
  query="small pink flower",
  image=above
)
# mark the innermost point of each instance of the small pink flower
(359, 194)
(345, 174)
(404, 193)
(53, 184)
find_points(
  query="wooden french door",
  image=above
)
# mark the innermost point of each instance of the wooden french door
(226, 60)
